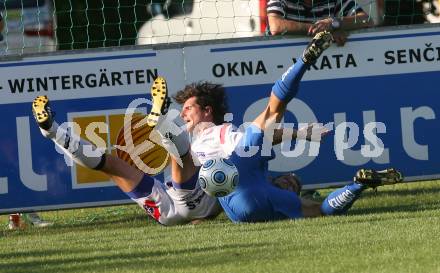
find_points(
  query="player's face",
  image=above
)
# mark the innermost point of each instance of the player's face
(193, 114)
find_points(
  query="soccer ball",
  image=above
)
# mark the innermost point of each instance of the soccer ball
(218, 177)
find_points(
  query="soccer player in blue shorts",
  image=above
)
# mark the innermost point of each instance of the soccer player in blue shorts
(255, 199)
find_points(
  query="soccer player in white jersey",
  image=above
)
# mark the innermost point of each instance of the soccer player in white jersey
(181, 200)
(169, 203)
(255, 199)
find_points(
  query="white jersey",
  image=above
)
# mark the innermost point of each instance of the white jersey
(216, 141)
(170, 206)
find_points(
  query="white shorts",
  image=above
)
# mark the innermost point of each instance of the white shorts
(170, 206)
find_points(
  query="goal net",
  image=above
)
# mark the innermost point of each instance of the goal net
(47, 25)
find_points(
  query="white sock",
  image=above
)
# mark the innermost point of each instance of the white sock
(173, 138)
(51, 132)
(81, 151)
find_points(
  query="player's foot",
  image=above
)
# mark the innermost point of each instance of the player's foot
(42, 113)
(319, 43)
(161, 101)
(373, 179)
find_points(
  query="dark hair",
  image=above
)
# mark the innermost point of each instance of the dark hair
(207, 94)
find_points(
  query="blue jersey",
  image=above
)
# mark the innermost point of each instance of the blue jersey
(255, 199)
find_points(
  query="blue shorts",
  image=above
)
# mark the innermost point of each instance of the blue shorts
(255, 198)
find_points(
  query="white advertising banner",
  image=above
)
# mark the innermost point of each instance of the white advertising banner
(385, 78)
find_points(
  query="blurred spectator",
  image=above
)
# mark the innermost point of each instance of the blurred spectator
(28, 27)
(308, 17)
(38, 21)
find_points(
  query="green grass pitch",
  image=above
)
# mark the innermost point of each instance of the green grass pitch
(396, 229)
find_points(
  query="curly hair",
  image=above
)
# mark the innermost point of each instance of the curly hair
(207, 94)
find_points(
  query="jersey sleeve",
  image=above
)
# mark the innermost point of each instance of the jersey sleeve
(229, 138)
(276, 7)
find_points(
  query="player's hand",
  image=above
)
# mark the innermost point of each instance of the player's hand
(321, 25)
(288, 182)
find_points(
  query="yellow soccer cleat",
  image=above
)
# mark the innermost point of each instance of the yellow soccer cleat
(42, 113)
(161, 101)
(373, 179)
(314, 49)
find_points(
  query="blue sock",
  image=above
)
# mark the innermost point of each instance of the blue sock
(286, 87)
(190, 184)
(143, 189)
(341, 200)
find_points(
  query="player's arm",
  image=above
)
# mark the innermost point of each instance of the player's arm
(279, 26)
(340, 25)
(347, 23)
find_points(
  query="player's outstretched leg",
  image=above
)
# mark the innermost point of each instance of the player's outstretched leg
(319, 43)
(173, 138)
(72, 145)
(161, 101)
(287, 86)
(137, 185)
(341, 200)
(373, 179)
